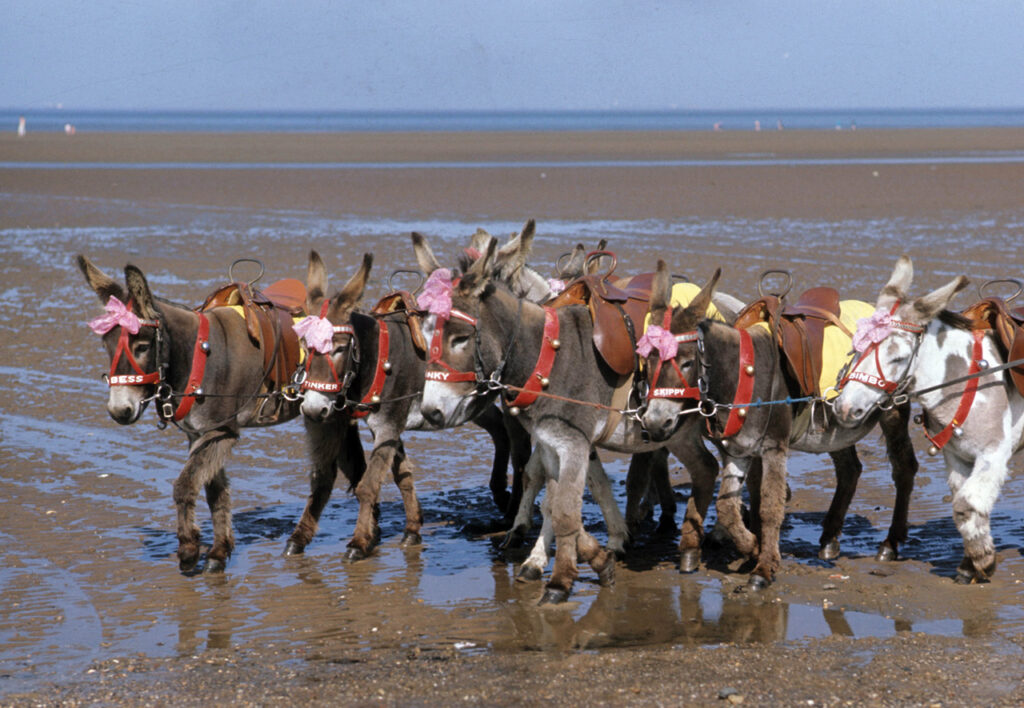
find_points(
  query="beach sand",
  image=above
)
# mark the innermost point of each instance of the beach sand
(852, 179)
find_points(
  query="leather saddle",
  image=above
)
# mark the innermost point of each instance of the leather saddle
(1008, 326)
(268, 317)
(404, 301)
(617, 308)
(799, 330)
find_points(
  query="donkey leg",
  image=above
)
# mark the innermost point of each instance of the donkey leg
(772, 512)
(638, 482)
(206, 457)
(366, 534)
(533, 567)
(848, 469)
(218, 497)
(491, 420)
(534, 480)
(900, 449)
(689, 448)
(661, 487)
(972, 507)
(402, 470)
(520, 453)
(730, 505)
(566, 508)
(601, 489)
(324, 442)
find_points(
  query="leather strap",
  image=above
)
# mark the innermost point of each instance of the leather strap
(744, 387)
(545, 362)
(966, 399)
(380, 372)
(195, 376)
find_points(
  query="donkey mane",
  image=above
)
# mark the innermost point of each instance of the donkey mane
(955, 319)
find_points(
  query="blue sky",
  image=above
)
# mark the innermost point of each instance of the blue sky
(514, 55)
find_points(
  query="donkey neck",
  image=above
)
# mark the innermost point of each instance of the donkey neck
(945, 354)
(514, 328)
(367, 335)
(180, 326)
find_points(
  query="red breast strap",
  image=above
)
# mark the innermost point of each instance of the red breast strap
(545, 362)
(195, 377)
(744, 387)
(966, 400)
(379, 374)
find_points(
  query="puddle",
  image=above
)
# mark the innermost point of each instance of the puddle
(86, 560)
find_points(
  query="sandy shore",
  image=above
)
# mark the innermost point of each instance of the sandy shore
(125, 584)
(559, 190)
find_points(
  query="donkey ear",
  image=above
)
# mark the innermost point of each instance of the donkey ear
(661, 292)
(101, 283)
(511, 257)
(424, 256)
(479, 276)
(930, 305)
(899, 283)
(138, 290)
(698, 307)
(354, 288)
(479, 240)
(573, 268)
(316, 281)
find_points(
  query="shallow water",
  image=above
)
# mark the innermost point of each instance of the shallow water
(87, 570)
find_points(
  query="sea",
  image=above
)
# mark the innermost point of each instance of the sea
(56, 119)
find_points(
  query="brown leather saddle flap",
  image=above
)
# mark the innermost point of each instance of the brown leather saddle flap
(610, 305)
(1008, 326)
(800, 330)
(404, 301)
(268, 321)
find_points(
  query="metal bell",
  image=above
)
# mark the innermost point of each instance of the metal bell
(933, 451)
(958, 432)
(545, 382)
(725, 443)
(514, 410)
(983, 364)
(555, 344)
(742, 412)
(374, 399)
(205, 346)
(199, 392)
(749, 370)
(918, 419)
(386, 366)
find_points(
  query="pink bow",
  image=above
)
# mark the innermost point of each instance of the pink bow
(437, 293)
(658, 338)
(117, 314)
(556, 285)
(872, 330)
(317, 331)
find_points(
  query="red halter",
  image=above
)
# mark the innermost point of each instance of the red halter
(687, 391)
(447, 374)
(139, 378)
(878, 381)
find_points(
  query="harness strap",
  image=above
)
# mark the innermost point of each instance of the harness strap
(193, 387)
(372, 397)
(966, 399)
(449, 374)
(744, 387)
(538, 378)
(684, 392)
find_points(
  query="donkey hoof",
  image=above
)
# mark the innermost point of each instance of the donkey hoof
(354, 553)
(606, 576)
(755, 583)
(294, 548)
(214, 565)
(188, 564)
(554, 596)
(411, 538)
(528, 574)
(829, 551)
(886, 553)
(512, 540)
(617, 546)
(689, 560)
(963, 577)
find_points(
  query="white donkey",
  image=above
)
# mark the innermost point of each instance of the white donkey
(977, 423)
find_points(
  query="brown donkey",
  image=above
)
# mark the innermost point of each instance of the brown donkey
(369, 366)
(210, 376)
(724, 370)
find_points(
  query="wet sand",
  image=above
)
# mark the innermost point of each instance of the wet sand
(95, 611)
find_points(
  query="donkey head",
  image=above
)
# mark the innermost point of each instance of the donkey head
(888, 344)
(131, 333)
(670, 347)
(452, 306)
(332, 349)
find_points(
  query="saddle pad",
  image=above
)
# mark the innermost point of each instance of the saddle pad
(240, 311)
(682, 295)
(837, 346)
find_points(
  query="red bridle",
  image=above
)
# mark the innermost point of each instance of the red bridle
(686, 391)
(443, 371)
(139, 378)
(879, 381)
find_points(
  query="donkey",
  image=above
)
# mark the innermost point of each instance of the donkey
(978, 424)
(368, 366)
(717, 371)
(486, 341)
(157, 351)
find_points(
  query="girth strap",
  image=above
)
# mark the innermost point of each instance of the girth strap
(538, 378)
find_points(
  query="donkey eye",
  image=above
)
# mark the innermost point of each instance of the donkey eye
(141, 348)
(340, 349)
(459, 341)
